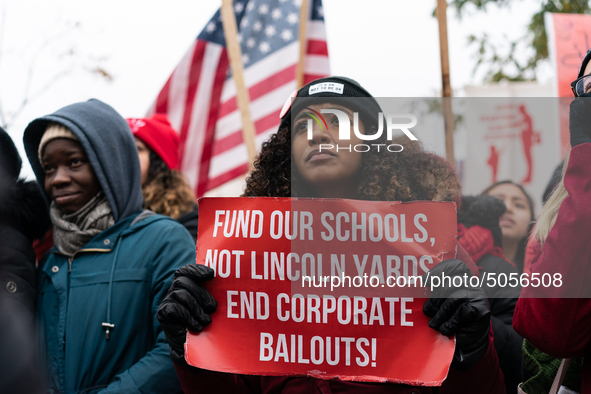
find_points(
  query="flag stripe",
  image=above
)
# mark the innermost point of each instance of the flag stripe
(317, 47)
(315, 63)
(315, 30)
(178, 89)
(227, 176)
(260, 70)
(260, 107)
(235, 157)
(162, 100)
(193, 82)
(195, 140)
(220, 76)
(261, 88)
(235, 139)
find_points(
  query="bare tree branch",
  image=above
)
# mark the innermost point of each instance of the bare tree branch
(501, 62)
(32, 54)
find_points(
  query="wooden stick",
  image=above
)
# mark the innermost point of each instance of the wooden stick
(242, 96)
(303, 44)
(446, 92)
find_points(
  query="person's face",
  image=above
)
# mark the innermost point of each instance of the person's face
(321, 168)
(69, 178)
(144, 155)
(515, 221)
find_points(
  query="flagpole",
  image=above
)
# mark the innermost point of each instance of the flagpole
(242, 97)
(446, 93)
(303, 44)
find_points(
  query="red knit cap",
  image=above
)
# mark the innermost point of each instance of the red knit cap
(158, 134)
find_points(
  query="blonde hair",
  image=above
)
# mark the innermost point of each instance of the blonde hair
(549, 213)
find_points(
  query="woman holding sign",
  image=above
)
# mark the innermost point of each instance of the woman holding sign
(300, 160)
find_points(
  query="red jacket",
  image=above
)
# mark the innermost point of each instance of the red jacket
(557, 319)
(484, 377)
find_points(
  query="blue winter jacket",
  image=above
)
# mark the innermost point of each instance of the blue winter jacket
(116, 281)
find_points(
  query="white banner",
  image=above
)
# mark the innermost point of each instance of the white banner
(515, 138)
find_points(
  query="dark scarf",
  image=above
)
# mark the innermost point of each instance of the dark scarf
(72, 231)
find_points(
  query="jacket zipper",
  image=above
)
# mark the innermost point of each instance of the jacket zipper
(71, 258)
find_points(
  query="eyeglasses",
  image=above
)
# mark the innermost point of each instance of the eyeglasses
(581, 85)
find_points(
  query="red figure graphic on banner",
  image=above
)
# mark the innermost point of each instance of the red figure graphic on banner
(529, 138)
(493, 162)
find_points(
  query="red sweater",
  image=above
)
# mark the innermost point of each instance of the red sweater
(484, 377)
(557, 320)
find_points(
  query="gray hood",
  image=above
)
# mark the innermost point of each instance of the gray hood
(109, 145)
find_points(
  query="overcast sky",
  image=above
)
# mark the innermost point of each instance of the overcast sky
(390, 46)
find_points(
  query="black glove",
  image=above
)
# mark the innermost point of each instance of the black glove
(186, 306)
(580, 120)
(463, 311)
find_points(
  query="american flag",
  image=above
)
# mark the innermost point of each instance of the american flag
(200, 95)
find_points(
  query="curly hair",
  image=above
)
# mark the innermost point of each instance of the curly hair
(166, 191)
(410, 175)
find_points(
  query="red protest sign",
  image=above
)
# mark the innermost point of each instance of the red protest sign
(281, 310)
(569, 38)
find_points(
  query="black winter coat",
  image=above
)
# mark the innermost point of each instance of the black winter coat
(502, 301)
(190, 221)
(23, 218)
(484, 211)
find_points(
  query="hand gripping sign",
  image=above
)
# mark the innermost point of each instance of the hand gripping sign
(323, 288)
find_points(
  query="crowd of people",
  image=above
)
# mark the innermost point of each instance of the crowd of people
(107, 307)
